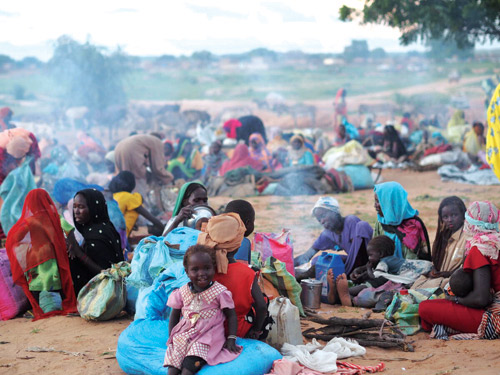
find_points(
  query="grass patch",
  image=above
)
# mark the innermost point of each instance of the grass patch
(36, 330)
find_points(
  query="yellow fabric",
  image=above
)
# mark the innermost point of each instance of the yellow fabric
(223, 233)
(493, 133)
(457, 119)
(128, 202)
(197, 162)
(471, 143)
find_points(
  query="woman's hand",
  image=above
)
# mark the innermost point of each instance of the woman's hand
(185, 213)
(230, 345)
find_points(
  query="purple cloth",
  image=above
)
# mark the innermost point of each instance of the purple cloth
(355, 233)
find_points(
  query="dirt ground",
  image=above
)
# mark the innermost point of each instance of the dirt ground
(93, 345)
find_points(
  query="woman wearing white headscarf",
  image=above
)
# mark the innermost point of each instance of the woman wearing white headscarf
(348, 233)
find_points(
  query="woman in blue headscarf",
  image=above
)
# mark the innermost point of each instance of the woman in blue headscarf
(397, 219)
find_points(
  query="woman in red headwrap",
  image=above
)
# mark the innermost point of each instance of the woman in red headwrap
(38, 256)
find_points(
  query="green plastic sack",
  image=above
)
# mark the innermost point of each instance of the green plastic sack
(287, 286)
(403, 309)
(105, 295)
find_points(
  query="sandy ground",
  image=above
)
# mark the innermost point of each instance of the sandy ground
(94, 344)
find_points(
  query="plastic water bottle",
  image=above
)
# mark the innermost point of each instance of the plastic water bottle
(325, 262)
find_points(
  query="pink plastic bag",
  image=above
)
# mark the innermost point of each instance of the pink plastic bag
(278, 245)
(13, 301)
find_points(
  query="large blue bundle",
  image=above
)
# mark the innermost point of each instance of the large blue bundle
(66, 188)
(152, 301)
(142, 345)
(360, 176)
(184, 237)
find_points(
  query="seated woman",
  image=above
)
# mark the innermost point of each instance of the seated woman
(186, 162)
(101, 245)
(259, 152)
(241, 158)
(298, 153)
(449, 244)
(348, 233)
(191, 194)
(130, 203)
(393, 148)
(37, 254)
(213, 161)
(474, 140)
(247, 215)
(476, 313)
(224, 233)
(398, 220)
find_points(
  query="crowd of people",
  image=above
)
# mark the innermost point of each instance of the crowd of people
(67, 215)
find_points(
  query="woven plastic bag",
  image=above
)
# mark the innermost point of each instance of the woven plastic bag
(286, 284)
(403, 310)
(105, 295)
(277, 245)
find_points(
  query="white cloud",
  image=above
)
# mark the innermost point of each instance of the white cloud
(151, 27)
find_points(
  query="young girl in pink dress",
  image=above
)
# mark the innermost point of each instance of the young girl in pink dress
(199, 338)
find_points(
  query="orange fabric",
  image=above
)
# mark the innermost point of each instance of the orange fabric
(239, 280)
(36, 238)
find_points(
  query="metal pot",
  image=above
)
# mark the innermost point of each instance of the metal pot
(311, 293)
(199, 213)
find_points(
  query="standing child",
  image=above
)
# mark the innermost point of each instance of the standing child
(199, 338)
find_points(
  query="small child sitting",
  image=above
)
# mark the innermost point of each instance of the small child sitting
(199, 337)
(130, 203)
(379, 247)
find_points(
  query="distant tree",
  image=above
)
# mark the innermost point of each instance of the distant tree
(441, 50)
(28, 62)
(357, 49)
(463, 21)
(378, 53)
(88, 75)
(4, 60)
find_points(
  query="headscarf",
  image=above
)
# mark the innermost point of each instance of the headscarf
(295, 155)
(241, 158)
(393, 200)
(260, 153)
(186, 190)
(230, 127)
(493, 133)
(328, 203)
(481, 228)
(224, 234)
(18, 147)
(395, 207)
(4, 113)
(99, 229)
(457, 119)
(36, 238)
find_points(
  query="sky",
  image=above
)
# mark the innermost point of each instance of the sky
(181, 27)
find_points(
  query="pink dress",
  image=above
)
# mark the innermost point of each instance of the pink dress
(201, 331)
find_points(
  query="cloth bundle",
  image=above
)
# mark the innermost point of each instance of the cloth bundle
(322, 358)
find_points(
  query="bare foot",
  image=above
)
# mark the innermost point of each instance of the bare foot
(333, 297)
(343, 290)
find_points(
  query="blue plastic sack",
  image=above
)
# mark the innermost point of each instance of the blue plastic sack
(66, 188)
(184, 237)
(360, 176)
(142, 345)
(151, 256)
(152, 301)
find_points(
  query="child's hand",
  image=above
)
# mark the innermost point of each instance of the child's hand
(253, 334)
(230, 345)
